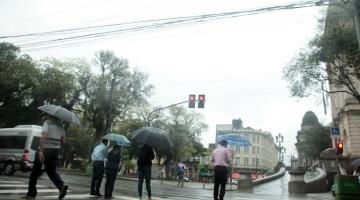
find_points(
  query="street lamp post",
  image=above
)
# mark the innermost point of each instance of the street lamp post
(280, 148)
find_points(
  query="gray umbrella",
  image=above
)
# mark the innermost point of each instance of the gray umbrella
(355, 164)
(60, 113)
(154, 137)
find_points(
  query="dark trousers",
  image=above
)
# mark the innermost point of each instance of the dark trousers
(50, 163)
(110, 180)
(98, 173)
(220, 179)
(144, 173)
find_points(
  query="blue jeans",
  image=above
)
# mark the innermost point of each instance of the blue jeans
(144, 173)
(51, 160)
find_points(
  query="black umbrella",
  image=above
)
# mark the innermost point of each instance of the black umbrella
(154, 137)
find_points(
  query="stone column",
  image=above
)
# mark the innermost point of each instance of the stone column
(297, 184)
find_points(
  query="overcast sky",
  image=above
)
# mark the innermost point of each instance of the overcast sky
(237, 63)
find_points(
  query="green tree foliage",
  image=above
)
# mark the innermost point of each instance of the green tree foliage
(310, 119)
(112, 94)
(314, 140)
(25, 85)
(184, 129)
(332, 56)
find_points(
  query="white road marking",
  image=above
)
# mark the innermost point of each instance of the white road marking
(25, 191)
(18, 185)
(244, 198)
(11, 182)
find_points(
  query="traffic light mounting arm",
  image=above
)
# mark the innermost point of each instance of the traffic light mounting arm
(158, 109)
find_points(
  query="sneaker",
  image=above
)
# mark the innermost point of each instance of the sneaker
(63, 191)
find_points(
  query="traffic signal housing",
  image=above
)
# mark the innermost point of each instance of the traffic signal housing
(201, 101)
(339, 147)
(192, 99)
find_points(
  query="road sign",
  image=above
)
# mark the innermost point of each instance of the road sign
(335, 132)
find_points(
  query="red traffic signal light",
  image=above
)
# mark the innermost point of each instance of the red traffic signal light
(201, 101)
(339, 147)
(192, 99)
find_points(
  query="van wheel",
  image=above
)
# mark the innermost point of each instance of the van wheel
(9, 168)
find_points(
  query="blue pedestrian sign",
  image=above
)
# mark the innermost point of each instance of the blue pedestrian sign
(335, 132)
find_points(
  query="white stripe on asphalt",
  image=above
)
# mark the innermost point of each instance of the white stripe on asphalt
(244, 198)
(18, 185)
(25, 191)
(9, 182)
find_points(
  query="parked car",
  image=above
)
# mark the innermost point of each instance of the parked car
(18, 146)
(233, 181)
(186, 179)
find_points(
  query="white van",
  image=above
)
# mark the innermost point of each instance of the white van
(18, 147)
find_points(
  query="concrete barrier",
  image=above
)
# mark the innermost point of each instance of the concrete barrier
(297, 184)
(318, 183)
(278, 174)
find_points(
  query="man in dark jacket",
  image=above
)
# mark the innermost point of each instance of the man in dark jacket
(144, 162)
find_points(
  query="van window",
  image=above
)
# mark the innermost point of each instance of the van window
(12, 142)
(35, 143)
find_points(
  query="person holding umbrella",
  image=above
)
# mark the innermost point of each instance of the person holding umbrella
(112, 167)
(221, 158)
(53, 134)
(144, 163)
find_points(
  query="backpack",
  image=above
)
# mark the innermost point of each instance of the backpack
(179, 170)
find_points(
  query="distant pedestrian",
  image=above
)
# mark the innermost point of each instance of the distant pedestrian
(52, 135)
(98, 157)
(144, 163)
(112, 168)
(221, 157)
(181, 169)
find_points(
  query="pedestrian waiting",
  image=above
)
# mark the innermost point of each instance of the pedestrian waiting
(221, 158)
(144, 163)
(98, 158)
(112, 168)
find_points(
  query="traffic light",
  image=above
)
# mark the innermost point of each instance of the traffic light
(339, 147)
(201, 101)
(192, 99)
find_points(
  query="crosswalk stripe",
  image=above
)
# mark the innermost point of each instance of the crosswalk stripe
(10, 182)
(18, 185)
(25, 191)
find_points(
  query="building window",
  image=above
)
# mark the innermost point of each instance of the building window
(253, 162)
(237, 161)
(237, 149)
(253, 149)
(246, 150)
(246, 161)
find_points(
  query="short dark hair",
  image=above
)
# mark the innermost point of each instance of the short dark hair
(223, 143)
(104, 141)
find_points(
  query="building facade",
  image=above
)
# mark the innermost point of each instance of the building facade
(262, 156)
(345, 109)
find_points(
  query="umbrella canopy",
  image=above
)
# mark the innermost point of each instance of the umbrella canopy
(60, 113)
(119, 139)
(355, 164)
(234, 139)
(154, 137)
